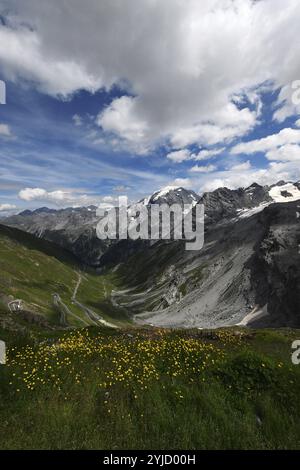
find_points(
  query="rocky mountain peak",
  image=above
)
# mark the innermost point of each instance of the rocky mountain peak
(174, 195)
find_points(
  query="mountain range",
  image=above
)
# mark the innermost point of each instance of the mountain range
(247, 273)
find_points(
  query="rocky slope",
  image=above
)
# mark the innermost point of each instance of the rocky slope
(73, 229)
(247, 273)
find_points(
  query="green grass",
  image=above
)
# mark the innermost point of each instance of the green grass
(152, 389)
(33, 270)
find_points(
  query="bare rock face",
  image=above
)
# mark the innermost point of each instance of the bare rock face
(224, 203)
(276, 265)
(248, 273)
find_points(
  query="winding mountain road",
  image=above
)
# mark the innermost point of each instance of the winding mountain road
(91, 315)
(65, 311)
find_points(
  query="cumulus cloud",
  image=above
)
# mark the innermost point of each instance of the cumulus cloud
(59, 197)
(179, 156)
(288, 102)
(206, 154)
(32, 194)
(182, 182)
(122, 118)
(227, 123)
(7, 207)
(283, 137)
(285, 153)
(24, 55)
(281, 149)
(241, 166)
(187, 65)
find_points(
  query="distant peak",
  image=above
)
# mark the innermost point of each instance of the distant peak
(43, 209)
(254, 185)
(164, 191)
(26, 212)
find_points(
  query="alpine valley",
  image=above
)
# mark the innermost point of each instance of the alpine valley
(55, 271)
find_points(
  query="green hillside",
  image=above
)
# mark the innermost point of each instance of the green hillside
(44, 278)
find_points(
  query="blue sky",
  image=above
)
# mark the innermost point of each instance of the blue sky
(55, 144)
(117, 99)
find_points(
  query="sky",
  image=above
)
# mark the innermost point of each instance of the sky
(124, 97)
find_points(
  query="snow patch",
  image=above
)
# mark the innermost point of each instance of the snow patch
(146, 200)
(289, 188)
(164, 192)
(243, 213)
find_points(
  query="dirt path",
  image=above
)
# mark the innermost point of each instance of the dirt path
(77, 286)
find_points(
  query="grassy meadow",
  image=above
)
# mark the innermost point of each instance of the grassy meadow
(150, 388)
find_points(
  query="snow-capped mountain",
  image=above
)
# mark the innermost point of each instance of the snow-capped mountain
(174, 195)
(75, 228)
(224, 203)
(169, 195)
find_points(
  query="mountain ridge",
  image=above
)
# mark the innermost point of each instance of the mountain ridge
(75, 228)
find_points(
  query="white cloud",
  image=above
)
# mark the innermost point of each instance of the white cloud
(203, 169)
(31, 194)
(285, 106)
(24, 55)
(59, 197)
(241, 166)
(179, 156)
(228, 122)
(5, 130)
(122, 119)
(285, 136)
(186, 183)
(183, 60)
(206, 154)
(285, 153)
(7, 207)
